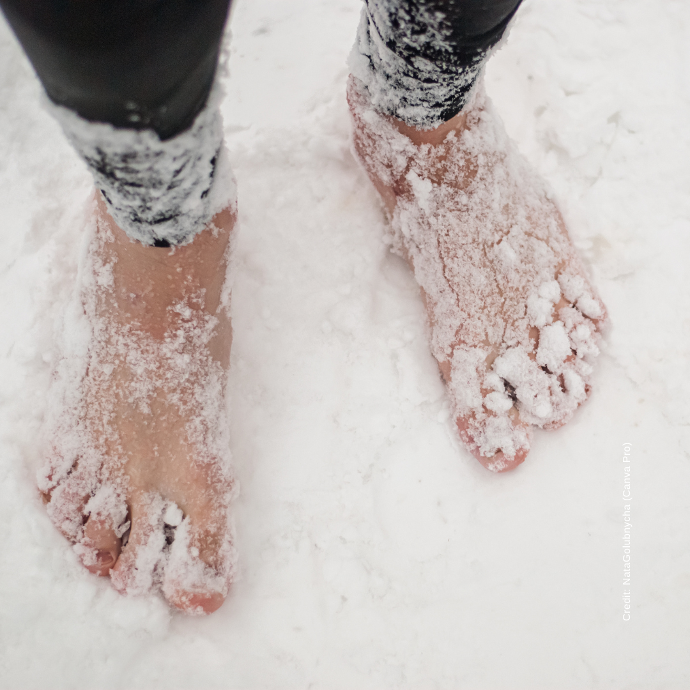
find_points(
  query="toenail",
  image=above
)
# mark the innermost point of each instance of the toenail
(104, 559)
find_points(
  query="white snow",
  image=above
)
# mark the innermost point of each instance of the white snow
(374, 551)
(554, 346)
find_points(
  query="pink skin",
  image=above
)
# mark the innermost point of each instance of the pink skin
(160, 458)
(370, 147)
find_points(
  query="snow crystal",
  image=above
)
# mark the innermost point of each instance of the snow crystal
(550, 290)
(573, 286)
(539, 311)
(172, 515)
(498, 402)
(590, 307)
(397, 88)
(554, 347)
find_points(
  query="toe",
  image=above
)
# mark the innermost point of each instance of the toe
(65, 505)
(100, 546)
(200, 568)
(136, 568)
(195, 603)
(499, 443)
(487, 417)
(66, 486)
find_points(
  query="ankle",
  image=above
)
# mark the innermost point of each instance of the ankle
(150, 283)
(436, 136)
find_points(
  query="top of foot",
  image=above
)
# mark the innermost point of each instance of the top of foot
(514, 320)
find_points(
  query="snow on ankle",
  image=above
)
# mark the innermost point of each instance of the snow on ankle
(389, 161)
(156, 190)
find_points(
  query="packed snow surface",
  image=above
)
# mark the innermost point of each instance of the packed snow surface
(373, 550)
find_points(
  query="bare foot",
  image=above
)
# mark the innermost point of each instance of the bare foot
(514, 320)
(138, 476)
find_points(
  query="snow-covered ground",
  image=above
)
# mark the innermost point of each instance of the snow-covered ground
(375, 552)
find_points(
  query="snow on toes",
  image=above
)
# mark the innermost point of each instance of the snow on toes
(493, 431)
(85, 472)
(187, 577)
(138, 569)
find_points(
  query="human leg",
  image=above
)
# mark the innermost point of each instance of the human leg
(514, 322)
(131, 85)
(141, 435)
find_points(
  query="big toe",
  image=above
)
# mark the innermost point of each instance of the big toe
(500, 462)
(136, 568)
(499, 443)
(200, 568)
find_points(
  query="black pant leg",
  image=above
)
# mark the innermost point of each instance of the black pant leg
(138, 64)
(133, 79)
(421, 58)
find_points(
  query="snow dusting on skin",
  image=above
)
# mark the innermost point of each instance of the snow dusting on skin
(492, 257)
(374, 552)
(89, 439)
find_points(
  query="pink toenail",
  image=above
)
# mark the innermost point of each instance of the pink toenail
(104, 559)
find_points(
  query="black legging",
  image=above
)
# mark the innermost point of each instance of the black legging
(425, 55)
(150, 65)
(141, 64)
